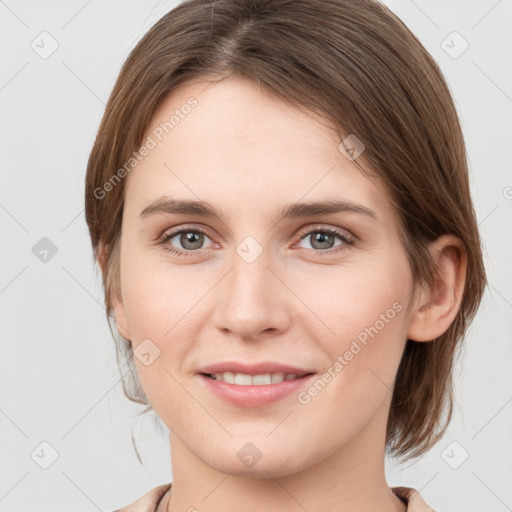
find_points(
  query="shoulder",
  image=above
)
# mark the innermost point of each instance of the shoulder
(148, 502)
(413, 499)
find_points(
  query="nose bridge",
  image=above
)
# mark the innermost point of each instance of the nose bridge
(251, 297)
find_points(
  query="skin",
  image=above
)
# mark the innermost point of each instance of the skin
(247, 153)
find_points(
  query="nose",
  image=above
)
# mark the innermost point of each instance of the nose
(252, 300)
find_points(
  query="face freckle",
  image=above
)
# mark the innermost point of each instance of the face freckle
(254, 291)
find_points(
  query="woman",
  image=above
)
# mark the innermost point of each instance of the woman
(278, 200)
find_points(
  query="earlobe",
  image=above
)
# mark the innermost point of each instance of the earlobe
(437, 307)
(120, 317)
(116, 302)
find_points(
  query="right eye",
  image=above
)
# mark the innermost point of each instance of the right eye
(191, 239)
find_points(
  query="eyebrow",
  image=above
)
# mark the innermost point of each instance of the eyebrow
(167, 205)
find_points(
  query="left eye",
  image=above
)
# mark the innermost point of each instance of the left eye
(323, 239)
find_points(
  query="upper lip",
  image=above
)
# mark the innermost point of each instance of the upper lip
(254, 368)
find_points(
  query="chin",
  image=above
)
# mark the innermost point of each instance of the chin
(249, 462)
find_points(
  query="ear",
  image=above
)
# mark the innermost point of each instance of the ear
(115, 300)
(436, 308)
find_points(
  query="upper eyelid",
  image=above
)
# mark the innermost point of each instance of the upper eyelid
(191, 227)
(331, 229)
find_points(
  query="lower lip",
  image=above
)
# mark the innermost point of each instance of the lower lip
(255, 396)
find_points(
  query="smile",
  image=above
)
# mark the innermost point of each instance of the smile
(246, 390)
(243, 379)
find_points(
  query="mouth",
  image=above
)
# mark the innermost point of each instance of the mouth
(244, 390)
(263, 379)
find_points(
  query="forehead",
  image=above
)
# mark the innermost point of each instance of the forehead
(234, 142)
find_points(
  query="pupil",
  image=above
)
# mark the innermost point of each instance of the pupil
(194, 238)
(322, 238)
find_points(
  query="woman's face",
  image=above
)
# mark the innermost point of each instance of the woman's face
(268, 281)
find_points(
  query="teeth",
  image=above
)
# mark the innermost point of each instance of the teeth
(243, 379)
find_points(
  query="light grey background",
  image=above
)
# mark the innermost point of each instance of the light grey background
(58, 378)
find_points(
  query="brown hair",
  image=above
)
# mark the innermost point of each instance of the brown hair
(359, 67)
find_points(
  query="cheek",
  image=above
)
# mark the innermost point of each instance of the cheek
(364, 355)
(363, 313)
(369, 338)
(159, 306)
(166, 306)
(156, 297)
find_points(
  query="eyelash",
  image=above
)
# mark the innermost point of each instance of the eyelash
(347, 241)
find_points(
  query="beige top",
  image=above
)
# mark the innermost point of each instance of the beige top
(157, 499)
